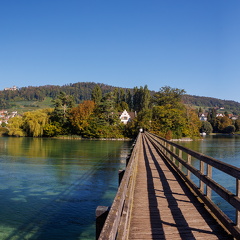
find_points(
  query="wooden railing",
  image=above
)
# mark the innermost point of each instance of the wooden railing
(178, 156)
(117, 222)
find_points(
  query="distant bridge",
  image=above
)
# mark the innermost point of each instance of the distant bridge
(157, 198)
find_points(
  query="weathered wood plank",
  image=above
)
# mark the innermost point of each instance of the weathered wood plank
(163, 207)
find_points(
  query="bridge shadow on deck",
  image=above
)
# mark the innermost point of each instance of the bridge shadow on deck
(181, 224)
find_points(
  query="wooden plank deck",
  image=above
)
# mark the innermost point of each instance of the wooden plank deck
(163, 206)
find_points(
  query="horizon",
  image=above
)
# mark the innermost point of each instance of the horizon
(185, 44)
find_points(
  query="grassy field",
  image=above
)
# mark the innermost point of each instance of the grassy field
(26, 106)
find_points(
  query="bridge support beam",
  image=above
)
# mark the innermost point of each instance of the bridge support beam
(101, 216)
(120, 176)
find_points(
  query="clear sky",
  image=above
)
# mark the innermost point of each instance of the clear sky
(188, 44)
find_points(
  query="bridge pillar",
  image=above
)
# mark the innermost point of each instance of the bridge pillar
(101, 216)
(120, 176)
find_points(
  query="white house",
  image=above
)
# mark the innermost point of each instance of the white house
(126, 117)
(203, 117)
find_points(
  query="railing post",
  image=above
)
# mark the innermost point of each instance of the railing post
(189, 159)
(174, 151)
(201, 185)
(165, 151)
(180, 156)
(168, 147)
(209, 174)
(238, 195)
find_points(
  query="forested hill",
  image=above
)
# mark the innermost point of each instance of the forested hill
(208, 102)
(82, 91)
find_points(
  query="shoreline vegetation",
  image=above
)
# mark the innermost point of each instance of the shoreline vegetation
(163, 114)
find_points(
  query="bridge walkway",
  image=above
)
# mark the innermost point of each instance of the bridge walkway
(163, 207)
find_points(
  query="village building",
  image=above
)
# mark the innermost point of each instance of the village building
(13, 88)
(203, 117)
(126, 117)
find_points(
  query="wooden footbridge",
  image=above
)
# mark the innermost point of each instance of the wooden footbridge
(158, 198)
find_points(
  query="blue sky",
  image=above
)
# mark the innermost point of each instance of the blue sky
(188, 44)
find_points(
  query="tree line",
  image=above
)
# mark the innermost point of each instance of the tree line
(219, 124)
(162, 113)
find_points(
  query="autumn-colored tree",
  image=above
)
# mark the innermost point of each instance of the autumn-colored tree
(80, 115)
(15, 127)
(35, 121)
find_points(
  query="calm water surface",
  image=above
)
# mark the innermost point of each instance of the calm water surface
(224, 148)
(50, 188)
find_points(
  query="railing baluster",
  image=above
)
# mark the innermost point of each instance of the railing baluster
(209, 174)
(174, 151)
(180, 155)
(238, 195)
(189, 160)
(202, 171)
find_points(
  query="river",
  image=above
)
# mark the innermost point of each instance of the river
(50, 188)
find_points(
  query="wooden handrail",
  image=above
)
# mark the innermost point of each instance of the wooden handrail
(222, 166)
(164, 146)
(116, 224)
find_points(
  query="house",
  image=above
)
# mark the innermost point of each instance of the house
(203, 117)
(219, 115)
(126, 117)
(14, 88)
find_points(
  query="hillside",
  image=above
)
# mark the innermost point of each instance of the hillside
(208, 102)
(31, 98)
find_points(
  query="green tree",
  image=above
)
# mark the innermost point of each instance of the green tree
(237, 125)
(224, 122)
(230, 129)
(206, 127)
(52, 129)
(97, 94)
(169, 96)
(107, 111)
(62, 105)
(141, 98)
(144, 119)
(170, 117)
(129, 100)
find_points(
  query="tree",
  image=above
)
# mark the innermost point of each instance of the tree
(144, 118)
(15, 127)
(168, 95)
(230, 129)
(224, 122)
(141, 98)
(80, 116)
(97, 95)
(237, 125)
(129, 100)
(107, 110)
(35, 121)
(170, 117)
(206, 127)
(62, 104)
